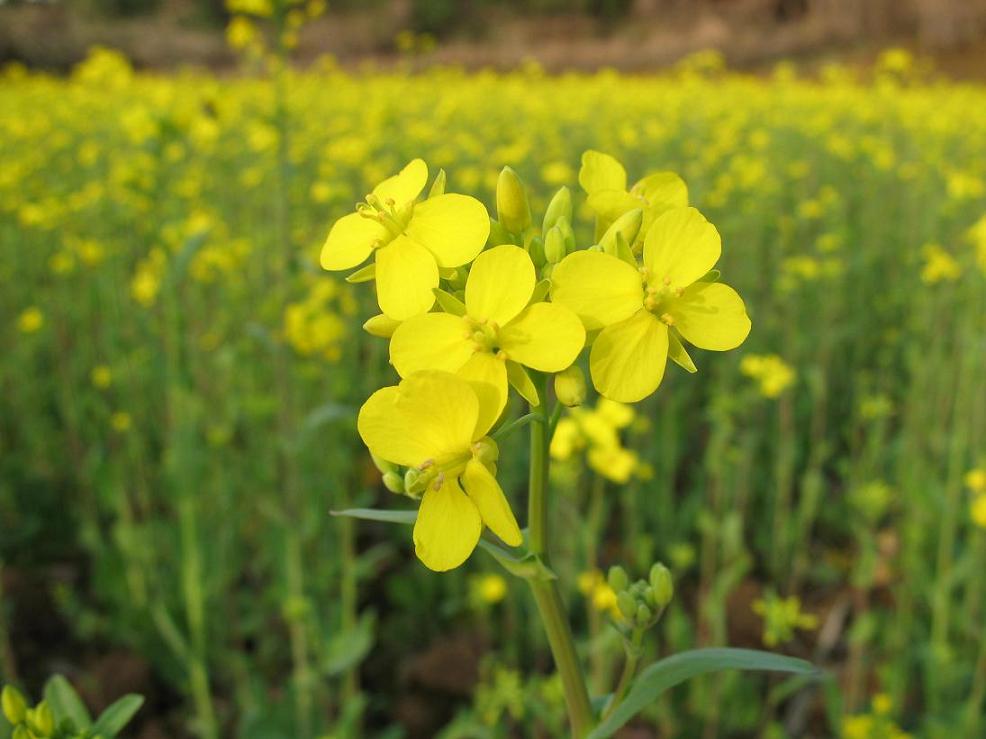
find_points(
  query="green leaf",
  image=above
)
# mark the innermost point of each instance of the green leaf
(348, 648)
(680, 667)
(65, 703)
(376, 514)
(113, 719)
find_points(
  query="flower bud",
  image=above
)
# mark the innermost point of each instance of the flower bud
(512, 208)
(486, 451)
(565, 226)
(554, 245)
(535, 247)
(381, 326)
(570, 386)
(415, 481)
(559, 207)
(626, 604)
(617, 578)
(22, 732)
(627, 224)
(43, 720)
(661, 584)
(14, 704)
(498, 234)
(644, 615)
(393, 482)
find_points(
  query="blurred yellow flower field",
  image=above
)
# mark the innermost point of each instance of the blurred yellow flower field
(181, 382)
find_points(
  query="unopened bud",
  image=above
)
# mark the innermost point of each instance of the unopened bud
(498, 234)
(661, 584)
(644, 615)
(393, 482)
(565, 226)
(554, 245)
(512, 208)
(535, 247)
(14, 704)
(570, 387)
(381, 326)
(486, 450)
(627, 224)
(415, 481)
(626, 604)
(559, 207)
(617, 578)
(43, 720)
(22, 732)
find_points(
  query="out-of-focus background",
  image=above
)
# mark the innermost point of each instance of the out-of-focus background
(179, 379)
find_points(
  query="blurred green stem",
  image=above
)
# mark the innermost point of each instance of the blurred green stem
(546, 593)
(629, 670)
(8, 666)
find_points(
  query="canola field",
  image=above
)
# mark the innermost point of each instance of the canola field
(181, 379)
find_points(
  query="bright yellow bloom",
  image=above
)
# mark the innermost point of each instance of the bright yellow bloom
(434, 424)
(101, 376)
(488, 589)
(30, 320)
(638, 308)
(975, 480)
(605, 182)
(939, 266)
(593, 585)
(410, 241)
(498, 332)
(597, 431)
(772, 373)
(977, 510)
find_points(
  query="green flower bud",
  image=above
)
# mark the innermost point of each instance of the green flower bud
(627, 605)
(22, 732)
(565, 226)
(570, 387)
(499, 235)
(486, 451)
(627, 224)
(661, 584)
(512, 208)
(617, 578)
(382, 464)
(43, 720)
(559, 207)
(14, 704)
(644, 615)
(554, 245)
(535, 247)
(393, 482)
(415, 481)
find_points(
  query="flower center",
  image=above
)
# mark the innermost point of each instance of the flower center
(484, 335)
(659, 294)
(388, 215)
(433, 473)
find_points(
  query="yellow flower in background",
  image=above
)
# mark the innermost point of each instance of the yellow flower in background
(121, 421)
(259, 8)
(488, 589)
(641, 312)
(592, 584)
(30, 320)
(977, 236)
(605, 182)
(434, 424)
(410, 241)
(596, 430)
(240, 33)
(977, 510)
(772, 373)
(939, 266)
(500, 333)
(101, 376)
(975, 480)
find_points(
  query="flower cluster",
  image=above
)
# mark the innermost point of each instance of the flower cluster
(473, 306)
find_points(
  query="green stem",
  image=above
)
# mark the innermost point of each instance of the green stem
(546, 594)
(629, 670)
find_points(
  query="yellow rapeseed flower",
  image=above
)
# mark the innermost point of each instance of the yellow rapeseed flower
(434, 424)
(121, 421)
(636, 309)
(772, 373)
(499, 330)
(101, 376)
(30, 320)
(410, 241)
(939, 266)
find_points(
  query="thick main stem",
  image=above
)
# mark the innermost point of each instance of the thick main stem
(546, 594)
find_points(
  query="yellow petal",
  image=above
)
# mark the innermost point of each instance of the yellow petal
(663, 190)
(404, 186)
(452, 227)
(430, 341)
(680, 247)
(486, 493)
(500, 284)
(429, 415)
(448, 527)
(488, 376)
(406, 275)
(628, 359)
(601, 172)
(599, 288)
(711, 315)
(611, 204)
(350, 241)
(545, 337)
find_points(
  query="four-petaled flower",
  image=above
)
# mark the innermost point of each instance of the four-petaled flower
(638, 308)
(499, 330)
(434, 423)
(411, 240)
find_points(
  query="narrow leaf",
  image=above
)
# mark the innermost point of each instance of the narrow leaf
(683, 666)
(376, 514)
(113, 719)
(65, 703)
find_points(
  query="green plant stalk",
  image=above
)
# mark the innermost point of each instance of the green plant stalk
(629, 670)
(546, 593)
(8, 665)
(597, 663)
